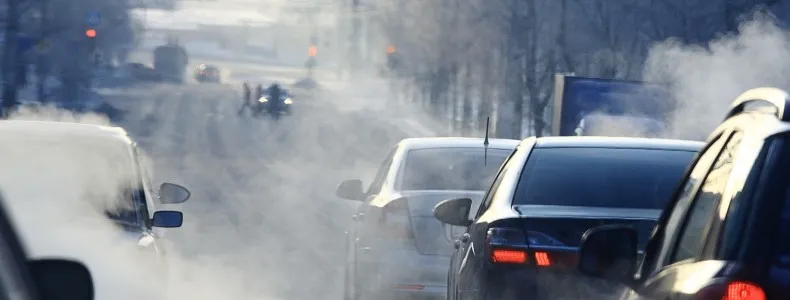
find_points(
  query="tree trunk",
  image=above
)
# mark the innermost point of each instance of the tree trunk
(466, 107)
(486, 90)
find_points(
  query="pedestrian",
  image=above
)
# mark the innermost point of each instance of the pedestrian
(247, 102)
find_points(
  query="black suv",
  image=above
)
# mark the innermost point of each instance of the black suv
(725, 233)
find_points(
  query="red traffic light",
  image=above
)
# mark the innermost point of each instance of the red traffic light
(91, 33)
(312, 51)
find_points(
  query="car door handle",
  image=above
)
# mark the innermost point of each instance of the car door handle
(465, 238)
(358, 217)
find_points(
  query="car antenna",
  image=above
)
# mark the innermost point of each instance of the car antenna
(485, 144)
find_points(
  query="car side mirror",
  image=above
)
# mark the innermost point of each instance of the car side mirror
(171, 193)
(168, 219)
(454, 211)
(350, 190)
(609, 252)
(61, 279)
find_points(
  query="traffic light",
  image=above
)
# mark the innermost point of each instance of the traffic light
(312, 51)
(393, 59)
(90, 33)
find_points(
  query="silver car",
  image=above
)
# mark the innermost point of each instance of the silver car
(395, 247)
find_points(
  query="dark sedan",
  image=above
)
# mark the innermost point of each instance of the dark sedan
(522, 241)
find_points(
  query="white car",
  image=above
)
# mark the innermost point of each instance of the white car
(395, 246)
(47, 154)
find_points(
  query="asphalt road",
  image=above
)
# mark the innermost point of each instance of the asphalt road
(263, 221)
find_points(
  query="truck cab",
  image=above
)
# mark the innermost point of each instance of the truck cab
(619, 125)
(596, 106)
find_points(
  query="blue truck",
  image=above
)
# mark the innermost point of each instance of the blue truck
(607, 107)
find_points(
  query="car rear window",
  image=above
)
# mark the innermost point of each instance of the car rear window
(466, 169)
(601, 177)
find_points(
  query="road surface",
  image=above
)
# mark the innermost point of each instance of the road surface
(263, 221)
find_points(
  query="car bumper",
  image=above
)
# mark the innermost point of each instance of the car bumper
(532, 283)
(402, 274)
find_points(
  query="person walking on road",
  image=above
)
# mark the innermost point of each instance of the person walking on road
(247, 93)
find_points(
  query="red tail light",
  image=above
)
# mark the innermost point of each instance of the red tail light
(507, 246)
(509, 256)
(542, 259)
(738, 290)
(511, 246)
(734, 290)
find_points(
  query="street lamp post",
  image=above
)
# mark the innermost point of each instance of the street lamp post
(9, 57)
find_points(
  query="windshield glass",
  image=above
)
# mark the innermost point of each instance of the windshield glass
(97, 173)
(451, 168)
(601, 177)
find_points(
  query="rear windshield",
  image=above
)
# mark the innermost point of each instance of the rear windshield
(467, 169)
(601, 177)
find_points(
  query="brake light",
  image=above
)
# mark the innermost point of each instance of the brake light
(509, 256)
(515, 246)
(734, 290)
(739, 290)
(542, 259)
(507, 246)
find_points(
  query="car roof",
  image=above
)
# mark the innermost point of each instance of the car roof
(44, 128)
(617, 142)
(456, 142)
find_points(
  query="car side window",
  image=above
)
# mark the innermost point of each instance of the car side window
(494, 186)
(678, 211)
(381, 175)
(705, 205)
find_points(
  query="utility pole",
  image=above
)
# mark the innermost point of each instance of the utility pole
(9, 57)
(42, 68)
(355, 32)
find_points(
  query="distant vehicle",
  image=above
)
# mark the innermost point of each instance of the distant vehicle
(266, 106)
(724, 233)
(139, 72)
(170, 61)
(40, 279)
(619, 125)
(395, 247)
(112, 153)
(522, 241)
(207, 73)
(576, 97)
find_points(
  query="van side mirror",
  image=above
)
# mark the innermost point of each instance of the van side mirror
(168, 219)
(350, 190)
(58, 279)
(454, 211)
(609, 252)
(171, 193)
